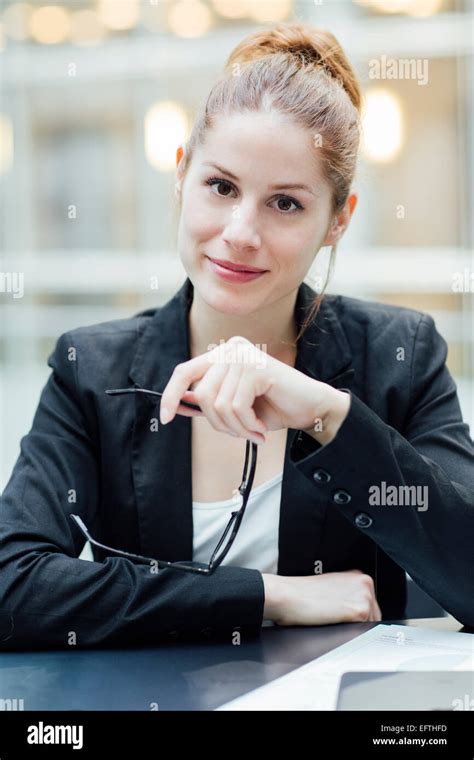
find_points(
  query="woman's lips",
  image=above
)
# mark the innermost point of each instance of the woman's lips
(230, 275)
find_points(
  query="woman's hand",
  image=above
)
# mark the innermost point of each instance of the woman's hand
(245, 392)
(344, 597)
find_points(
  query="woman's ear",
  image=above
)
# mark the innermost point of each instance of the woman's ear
(340, 222)
(181, 159)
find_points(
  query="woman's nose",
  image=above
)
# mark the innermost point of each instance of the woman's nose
(242, 230)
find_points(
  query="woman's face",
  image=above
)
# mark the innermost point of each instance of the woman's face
(232, 211)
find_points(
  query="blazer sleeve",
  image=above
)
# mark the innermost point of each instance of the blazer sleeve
(432, 541)
(51, 598)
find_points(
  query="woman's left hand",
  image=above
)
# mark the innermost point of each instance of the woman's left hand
(245, 392)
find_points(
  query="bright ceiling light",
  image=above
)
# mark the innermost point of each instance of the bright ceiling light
(424, 7)
(165, 128)
(6, 144)
(389, 6)
(267, 11)
(50, 24)
(382, 126)
(232, 8)
(86, 28)
(189, 18)
(411, 7)
(118, 15)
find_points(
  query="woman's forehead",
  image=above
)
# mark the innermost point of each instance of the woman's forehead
(259, 147)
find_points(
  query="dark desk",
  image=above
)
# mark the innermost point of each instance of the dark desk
(178, 676)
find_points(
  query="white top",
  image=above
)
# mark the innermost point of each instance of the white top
(256, 543)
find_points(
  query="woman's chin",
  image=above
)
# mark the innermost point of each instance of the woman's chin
(227, 305)
(225, 299)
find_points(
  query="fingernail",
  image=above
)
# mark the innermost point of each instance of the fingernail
(165, 415)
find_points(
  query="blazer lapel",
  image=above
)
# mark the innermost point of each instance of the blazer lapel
(161, 455)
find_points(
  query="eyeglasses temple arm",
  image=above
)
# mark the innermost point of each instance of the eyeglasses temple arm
(245, 488)
(120, 391)
(128, 555)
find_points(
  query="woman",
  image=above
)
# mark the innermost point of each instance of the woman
(365, 467)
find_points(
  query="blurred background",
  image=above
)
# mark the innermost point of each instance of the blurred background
(95, 97)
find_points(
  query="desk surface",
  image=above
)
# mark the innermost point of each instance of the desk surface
(177, 676)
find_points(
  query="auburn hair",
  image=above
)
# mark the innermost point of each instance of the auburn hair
(302, 72)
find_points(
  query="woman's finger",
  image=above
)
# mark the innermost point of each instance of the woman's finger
(223, 404)
(223, 400)
(183, 375)
(243, 401)
(186, 411)
(206, 392)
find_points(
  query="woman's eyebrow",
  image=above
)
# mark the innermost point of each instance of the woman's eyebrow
(285, 186)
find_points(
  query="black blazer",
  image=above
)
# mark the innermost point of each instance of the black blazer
(98, 456)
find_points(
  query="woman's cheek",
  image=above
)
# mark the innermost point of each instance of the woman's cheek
(202, 221)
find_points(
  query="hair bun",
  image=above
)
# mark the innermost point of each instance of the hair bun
(309, 44)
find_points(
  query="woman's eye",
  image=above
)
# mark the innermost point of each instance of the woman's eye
(285, 200)
(216, 181)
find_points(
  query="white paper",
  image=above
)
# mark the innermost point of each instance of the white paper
(315, 686)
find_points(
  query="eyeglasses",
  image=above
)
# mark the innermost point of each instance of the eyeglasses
(231, 529)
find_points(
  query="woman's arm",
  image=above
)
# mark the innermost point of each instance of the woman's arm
(433, 538)
(343, 597)
(49, 597)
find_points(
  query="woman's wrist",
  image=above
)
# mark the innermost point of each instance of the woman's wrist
(272, 606)
(327, 423)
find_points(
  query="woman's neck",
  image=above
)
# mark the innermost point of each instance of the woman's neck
(273, 329)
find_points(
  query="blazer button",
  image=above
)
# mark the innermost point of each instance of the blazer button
(341, 497)
(321, 476)
(363, 520)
